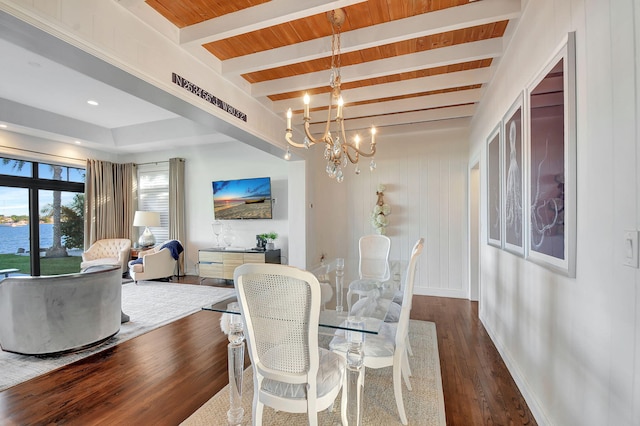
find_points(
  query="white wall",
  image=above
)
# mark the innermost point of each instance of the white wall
(205, 164)
(572, 344)
(425, 176)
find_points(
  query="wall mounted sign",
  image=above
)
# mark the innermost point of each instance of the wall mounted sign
(191, 87)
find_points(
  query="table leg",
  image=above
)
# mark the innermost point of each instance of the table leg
(354, 375)
(235, 353)
(339, 284)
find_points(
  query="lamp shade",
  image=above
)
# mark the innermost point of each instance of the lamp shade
(142, 218)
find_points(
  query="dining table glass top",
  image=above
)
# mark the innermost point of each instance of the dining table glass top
(370, 306)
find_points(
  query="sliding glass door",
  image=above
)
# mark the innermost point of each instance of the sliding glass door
(45, 204)
(15, 245)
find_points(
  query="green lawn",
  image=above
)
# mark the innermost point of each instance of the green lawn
(48, 266)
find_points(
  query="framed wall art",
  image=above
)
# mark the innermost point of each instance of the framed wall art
(551, 181)
(513, 179)
(494, 190)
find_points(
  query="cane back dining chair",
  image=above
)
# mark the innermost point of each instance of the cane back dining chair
(389, 347)
(373, 265)
(281, 310)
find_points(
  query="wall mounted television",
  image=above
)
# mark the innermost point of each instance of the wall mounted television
(242, 199)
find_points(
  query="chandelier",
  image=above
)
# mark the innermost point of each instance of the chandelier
(338, 149)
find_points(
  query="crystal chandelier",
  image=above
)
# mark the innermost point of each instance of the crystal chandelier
(338, 150)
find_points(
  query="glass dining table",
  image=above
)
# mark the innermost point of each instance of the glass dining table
(366, 316)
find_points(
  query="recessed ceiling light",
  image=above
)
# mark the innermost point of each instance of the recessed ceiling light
(78, 142)
(92, 102)
(3, 126)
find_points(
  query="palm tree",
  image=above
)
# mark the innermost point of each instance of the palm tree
(56, 250)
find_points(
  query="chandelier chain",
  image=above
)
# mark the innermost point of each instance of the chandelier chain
(339, 151)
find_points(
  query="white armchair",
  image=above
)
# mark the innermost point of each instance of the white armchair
(110, 251)
(157, 262)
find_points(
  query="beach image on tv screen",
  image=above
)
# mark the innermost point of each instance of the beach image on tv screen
(242, 199)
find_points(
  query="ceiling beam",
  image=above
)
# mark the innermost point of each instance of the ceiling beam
(145, 13)
(364, 124)
(460, 97)
(256, 18)
(399, 88)
(454, 18)
(477, 50)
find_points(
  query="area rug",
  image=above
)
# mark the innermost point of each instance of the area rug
(424, 405)
(149, 304)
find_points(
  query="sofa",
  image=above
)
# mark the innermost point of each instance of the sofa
(109, 251)
(60, 313)
(159, 262)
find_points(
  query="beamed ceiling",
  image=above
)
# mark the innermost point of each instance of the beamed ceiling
(404, 64)
(402, 61)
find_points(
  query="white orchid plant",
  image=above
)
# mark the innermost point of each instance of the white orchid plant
(380, 213)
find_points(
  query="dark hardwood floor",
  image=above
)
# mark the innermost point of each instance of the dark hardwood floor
(163, 376)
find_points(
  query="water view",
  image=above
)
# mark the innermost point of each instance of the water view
(14, 238)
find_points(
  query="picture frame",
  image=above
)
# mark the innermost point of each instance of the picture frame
(513, 217)
(494, 187)
(551, 163)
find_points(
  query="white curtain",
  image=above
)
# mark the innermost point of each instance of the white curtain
(177, 207)
(109, 201)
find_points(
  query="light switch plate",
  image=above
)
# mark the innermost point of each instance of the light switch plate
(630, 249)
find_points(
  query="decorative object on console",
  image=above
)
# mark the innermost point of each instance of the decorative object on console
(146, 219)
(261, 242)
(217, 230)
(267, 240)
(381, 211)
(228, 236)
(337, 149)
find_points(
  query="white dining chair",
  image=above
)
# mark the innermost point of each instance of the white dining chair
(281, 308)
(389, 347)
(373, 265)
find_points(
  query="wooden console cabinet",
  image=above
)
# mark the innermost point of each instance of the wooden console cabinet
(220, 263)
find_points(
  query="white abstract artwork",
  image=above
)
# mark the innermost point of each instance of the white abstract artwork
(494, 198)
(551, 163)
(513, 187)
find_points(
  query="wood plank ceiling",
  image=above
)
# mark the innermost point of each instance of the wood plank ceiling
(402, 61)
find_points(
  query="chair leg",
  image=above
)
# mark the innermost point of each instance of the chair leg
(406, 370)
(405, 364)
(409, 347)
(349, 294)
(258, 408)
(313, 417)
(343, 401)
(397, 390)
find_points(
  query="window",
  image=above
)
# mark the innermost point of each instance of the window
(41, 216)
(64, 173)
(153, 195)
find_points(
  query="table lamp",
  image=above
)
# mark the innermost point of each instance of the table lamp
(146, 219)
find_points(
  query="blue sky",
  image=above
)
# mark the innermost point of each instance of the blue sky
(16, 200)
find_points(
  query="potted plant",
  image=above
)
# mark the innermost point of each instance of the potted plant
(270, 237)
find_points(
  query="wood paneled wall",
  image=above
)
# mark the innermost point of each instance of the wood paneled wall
(425, 175)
